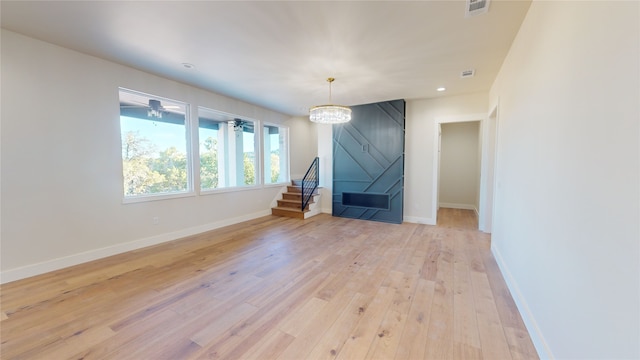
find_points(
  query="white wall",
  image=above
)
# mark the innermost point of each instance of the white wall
(61, 162)
(303, 143)
(460, 165)
(566, 222)
(325, 153)
(421, 117)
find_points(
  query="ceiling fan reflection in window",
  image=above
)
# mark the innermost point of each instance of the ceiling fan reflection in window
(237, 124)
(241, 125)
(154, 108)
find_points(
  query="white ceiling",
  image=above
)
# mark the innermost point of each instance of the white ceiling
(278, 54)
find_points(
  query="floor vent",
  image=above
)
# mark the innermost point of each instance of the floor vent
(476, 7)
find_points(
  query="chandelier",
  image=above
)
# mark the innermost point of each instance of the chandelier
(330, 114)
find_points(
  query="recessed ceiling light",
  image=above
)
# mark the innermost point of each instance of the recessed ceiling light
(441, 88)
(188, 65)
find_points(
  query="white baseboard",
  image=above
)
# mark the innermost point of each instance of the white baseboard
(75, 259)
(544, 352)
(458, 206)
(419, 220)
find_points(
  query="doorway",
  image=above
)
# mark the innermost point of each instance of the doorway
(488, 164)
(457, 163)
(460, 166)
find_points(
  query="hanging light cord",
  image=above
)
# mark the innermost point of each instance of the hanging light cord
(330, 80)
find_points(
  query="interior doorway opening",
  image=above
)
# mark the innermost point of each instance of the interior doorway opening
(473, 149)
(459, 169)
(488, 164)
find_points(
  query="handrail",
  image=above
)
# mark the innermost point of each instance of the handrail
(310, 182)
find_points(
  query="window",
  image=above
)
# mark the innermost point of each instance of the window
(157, 156)
(227, 150)
(276, 154)
(154, 145)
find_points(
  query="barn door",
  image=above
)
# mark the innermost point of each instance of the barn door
(368, 163)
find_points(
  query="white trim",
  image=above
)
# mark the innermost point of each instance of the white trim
(71, 260)
(489, 153)
(419, 220)
(227, 189)
(436, 172)
(459, 206)
(461, 118)
(279, 184)
(288, 152)
(539, 342)
(134, 199)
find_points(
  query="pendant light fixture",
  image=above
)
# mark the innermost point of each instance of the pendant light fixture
(330, 114)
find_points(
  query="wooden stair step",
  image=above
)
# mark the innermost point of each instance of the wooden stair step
(297, 190)
(292, 196)
(291, 202)
(294, 204)
(288, 212)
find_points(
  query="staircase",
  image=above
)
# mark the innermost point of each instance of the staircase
(291, 203)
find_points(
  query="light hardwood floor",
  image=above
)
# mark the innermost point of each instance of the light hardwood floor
(277, 288)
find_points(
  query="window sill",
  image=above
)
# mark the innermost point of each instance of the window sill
(280, 184)
(156, 197)
(229, 189)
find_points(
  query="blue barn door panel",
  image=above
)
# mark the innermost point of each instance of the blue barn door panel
(368, 163)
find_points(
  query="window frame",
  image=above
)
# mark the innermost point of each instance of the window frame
(287, 150)
(191, 125)
(190, 190)
(257, 150)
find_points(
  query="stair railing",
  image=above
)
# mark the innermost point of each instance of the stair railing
(310, 182)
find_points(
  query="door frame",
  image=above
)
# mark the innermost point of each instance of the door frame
(488, 170)
(436, 153)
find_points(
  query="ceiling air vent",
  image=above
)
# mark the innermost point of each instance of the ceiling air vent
(467, 73)
(476, 7)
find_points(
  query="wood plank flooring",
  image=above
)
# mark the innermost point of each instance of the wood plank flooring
(277, 288)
